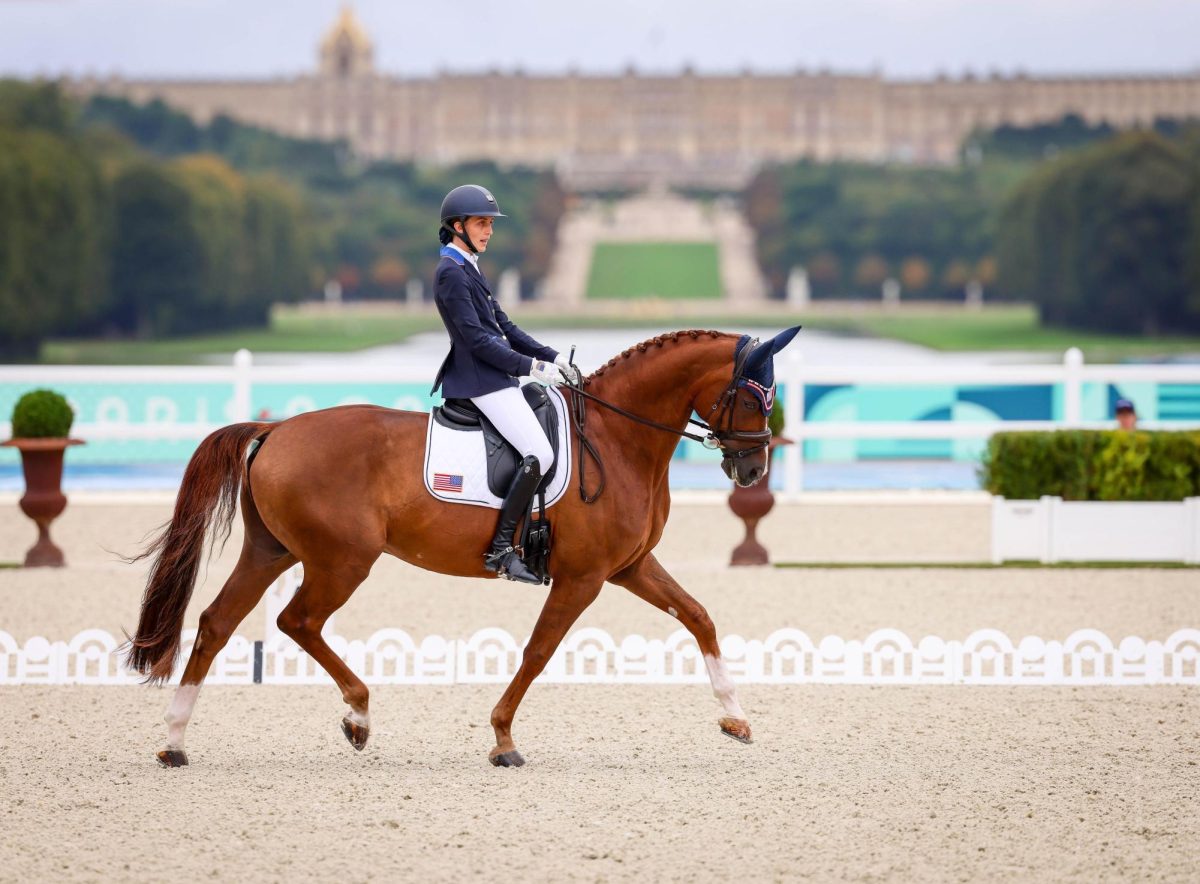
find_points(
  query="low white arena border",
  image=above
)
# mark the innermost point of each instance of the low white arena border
(787, 656)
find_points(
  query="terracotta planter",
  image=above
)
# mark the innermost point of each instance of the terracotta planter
(750, 504)
(42, 462)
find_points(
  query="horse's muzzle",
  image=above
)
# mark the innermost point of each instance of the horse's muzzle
(742, 473)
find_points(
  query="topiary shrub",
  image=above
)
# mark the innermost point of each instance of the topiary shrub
(1093, 465)
(41, 414)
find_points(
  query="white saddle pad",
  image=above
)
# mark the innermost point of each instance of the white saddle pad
(456, 467)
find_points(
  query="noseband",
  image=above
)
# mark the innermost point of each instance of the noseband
(715, 438)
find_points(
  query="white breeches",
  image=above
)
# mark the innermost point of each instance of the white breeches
(512, 416)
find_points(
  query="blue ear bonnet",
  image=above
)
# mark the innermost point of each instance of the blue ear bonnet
(758, 368)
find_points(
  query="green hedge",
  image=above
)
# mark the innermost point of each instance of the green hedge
(1093, 465)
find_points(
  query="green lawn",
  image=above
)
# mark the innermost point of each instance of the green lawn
(997, 328)
(662, 270)
(289, 332)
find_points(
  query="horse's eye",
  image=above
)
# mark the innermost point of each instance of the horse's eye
(747, 404)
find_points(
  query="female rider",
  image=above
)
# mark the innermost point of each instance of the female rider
(488, 352)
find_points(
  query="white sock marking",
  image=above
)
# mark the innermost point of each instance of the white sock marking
(722, 686)
(180, 713)
(359, 718)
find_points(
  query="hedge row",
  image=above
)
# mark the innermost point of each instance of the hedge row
(1093, 465)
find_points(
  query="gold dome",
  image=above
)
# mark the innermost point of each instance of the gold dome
(347, 26)
(346, 49)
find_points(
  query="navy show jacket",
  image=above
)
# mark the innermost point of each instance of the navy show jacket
(488, 352)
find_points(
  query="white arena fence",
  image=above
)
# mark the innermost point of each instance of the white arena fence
(786, 656)
(242, 377)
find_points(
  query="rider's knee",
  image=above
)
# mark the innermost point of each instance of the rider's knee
(544, 457)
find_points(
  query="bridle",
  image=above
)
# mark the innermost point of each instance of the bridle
(717, 434)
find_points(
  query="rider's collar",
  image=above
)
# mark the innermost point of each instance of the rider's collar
(459, 256)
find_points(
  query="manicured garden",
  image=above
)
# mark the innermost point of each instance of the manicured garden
(655, 270)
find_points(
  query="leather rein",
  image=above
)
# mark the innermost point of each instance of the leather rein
(713, 439)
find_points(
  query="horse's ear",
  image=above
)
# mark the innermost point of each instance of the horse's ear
(767, 349)
(784, 338)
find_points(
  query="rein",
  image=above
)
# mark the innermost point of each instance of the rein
(713, 439)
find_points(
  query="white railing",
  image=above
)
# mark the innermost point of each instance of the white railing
(591, 655)
(791, 371)
(786, 656)
(1071, 373)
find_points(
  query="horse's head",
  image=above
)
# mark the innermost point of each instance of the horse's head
(742, 403)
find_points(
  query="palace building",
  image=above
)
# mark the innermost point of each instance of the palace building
(631, 129)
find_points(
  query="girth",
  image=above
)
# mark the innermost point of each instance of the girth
(502, 458)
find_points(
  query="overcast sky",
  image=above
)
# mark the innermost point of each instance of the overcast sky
(255, 38)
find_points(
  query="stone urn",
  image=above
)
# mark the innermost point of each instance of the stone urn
(43, 501)
(750, 504)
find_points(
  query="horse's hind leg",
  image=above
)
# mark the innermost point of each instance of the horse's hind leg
(324, 591)
(260, 563)
(649, 580)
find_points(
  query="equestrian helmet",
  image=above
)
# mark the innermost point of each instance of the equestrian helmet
(470, 201)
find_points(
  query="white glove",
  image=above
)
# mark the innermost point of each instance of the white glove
(546, 373)
(570, 372)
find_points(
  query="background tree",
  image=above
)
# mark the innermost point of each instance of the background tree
(53, 239)
(279, 261)
(389, 275)
(1101, 238)
(216, 205)
(869, 274)
(955, 278)
(915, 274)
(158, 259)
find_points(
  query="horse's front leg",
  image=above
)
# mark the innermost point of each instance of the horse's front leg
(649, 580)
(567, 600)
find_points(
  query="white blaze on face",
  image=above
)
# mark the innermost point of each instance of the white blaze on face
(180, 713)
(722, 686)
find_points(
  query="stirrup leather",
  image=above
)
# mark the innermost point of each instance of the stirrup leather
(504, 556)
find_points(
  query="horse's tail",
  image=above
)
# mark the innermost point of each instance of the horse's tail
(207, 497)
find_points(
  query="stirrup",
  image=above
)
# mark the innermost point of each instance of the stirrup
(494, 561)
(511, 566)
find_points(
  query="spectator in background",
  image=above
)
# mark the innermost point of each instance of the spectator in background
(1126, 415)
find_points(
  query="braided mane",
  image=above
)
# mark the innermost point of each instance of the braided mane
(656, 341)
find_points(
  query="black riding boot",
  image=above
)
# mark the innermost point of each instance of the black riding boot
(502, 556)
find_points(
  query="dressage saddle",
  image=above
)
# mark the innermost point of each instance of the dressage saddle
(502, 458)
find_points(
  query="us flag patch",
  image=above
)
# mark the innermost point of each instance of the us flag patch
(448, 482)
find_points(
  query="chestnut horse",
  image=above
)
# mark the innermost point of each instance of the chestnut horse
(336, 488)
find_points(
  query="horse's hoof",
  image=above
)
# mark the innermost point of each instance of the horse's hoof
(737, 728)
(172, 758)
(355, 733)
(507, 759)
